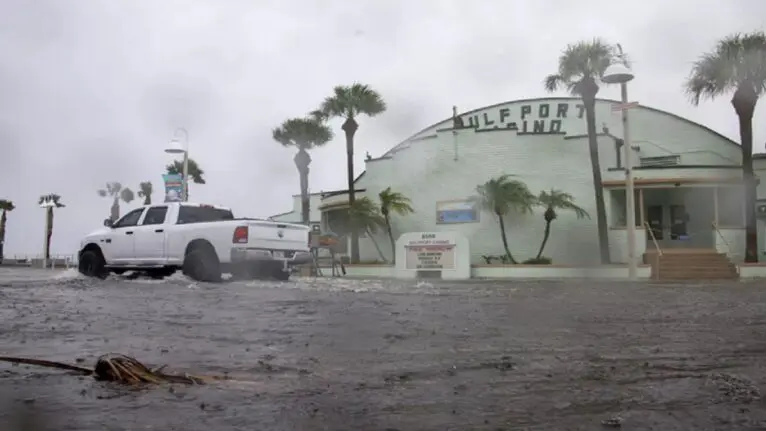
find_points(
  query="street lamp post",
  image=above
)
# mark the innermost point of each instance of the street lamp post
(46, 204)
(619, 73)
(176, 147)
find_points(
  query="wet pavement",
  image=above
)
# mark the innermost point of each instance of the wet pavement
(340, 354)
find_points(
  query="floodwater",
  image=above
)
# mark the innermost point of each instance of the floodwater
(342, 354)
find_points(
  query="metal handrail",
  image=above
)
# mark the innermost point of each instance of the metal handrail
(654, 239)
(728, 246)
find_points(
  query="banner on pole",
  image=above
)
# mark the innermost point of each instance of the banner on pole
(173, 187)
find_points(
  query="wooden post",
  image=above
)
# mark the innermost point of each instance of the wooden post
(642, 211)
(715, 206)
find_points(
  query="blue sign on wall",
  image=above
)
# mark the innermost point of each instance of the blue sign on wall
(458, 211)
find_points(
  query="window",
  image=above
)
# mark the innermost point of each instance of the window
(155, 215)
(129, 219)
(201, 214)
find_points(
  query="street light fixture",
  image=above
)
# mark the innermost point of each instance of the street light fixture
(177, 147)
(619, 73)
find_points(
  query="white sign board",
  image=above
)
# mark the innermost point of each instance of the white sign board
(445, 252)
(430, 254)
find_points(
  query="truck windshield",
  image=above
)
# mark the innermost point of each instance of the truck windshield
(194, 214)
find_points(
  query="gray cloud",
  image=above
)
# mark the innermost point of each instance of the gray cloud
(90, 90)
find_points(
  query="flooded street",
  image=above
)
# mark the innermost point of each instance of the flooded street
(341, 354)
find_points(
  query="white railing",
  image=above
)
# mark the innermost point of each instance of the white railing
(656, 266)
(56, 261)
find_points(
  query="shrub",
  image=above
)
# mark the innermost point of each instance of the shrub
(541, 261)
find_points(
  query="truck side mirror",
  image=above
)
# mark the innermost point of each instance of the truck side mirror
(108, 222)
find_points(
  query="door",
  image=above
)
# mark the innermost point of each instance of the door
(678, 223)
(655, 220)
(123, 239)
(150, 236)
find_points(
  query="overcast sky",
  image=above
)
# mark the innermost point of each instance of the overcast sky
(90, 90)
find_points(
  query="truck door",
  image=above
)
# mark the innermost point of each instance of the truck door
(121, 250)
(150, 236)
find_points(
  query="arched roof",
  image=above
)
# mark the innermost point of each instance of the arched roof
(539, 99)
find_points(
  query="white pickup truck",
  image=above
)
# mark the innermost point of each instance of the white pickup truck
(203, 241)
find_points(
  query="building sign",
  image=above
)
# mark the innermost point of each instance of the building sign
(530, 119)
(430, 253)
(173, 187)
(457, 211)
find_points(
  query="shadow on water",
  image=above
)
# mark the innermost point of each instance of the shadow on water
(375, 355)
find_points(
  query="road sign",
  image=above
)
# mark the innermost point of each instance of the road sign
(623, 106)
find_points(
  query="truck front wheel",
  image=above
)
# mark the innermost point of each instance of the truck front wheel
(92, 264)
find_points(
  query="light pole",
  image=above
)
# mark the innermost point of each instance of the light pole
(619, 73)
(46, 204)
(176, 147)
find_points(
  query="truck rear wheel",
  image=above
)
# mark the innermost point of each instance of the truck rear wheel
(201, 264)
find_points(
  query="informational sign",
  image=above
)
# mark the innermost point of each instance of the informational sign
(457, 211)
(430, 253)
(173, 187)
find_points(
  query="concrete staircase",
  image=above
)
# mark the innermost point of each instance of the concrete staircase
(691, 264)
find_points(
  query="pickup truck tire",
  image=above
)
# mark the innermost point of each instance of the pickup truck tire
(280, 274)
(201, 264)
(92, 264)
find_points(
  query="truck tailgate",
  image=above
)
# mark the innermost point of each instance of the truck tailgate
(277, 236)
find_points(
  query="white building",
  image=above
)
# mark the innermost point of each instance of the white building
(687, 177)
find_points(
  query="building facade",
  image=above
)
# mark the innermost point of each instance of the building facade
(687, 178)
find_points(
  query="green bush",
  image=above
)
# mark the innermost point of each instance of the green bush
(535, 261)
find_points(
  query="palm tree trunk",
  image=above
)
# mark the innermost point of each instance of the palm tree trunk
(546, 234)
(390, 238)
(305, 199)
(148, 200)
(598, 187)
(505, 239)
(49, 234)
(3, 221)
(115, 210)
(751, 230)
(377, 247)
(349, 128)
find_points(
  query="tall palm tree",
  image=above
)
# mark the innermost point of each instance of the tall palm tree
(364, 216)
(196, 174)
(348, 103)
(556, 200)
(5, 206)
(56, 199)
(145, 191)
(116, 192)
(392, 202)
(503, 195)
(303, 134)
(737, 64)
(581, 67)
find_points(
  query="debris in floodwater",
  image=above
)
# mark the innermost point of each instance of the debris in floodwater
(613, 422)
(117, 368)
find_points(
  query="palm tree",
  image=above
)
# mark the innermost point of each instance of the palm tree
(737, 64)
(5, 206)
(503, 195)
(116, 192)
(364, 216)
(552, 201)
(56, 200)
(195, 172)
(145, 191)
(392, 202)
(581, 66)
(348, 103)
(303, 134)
